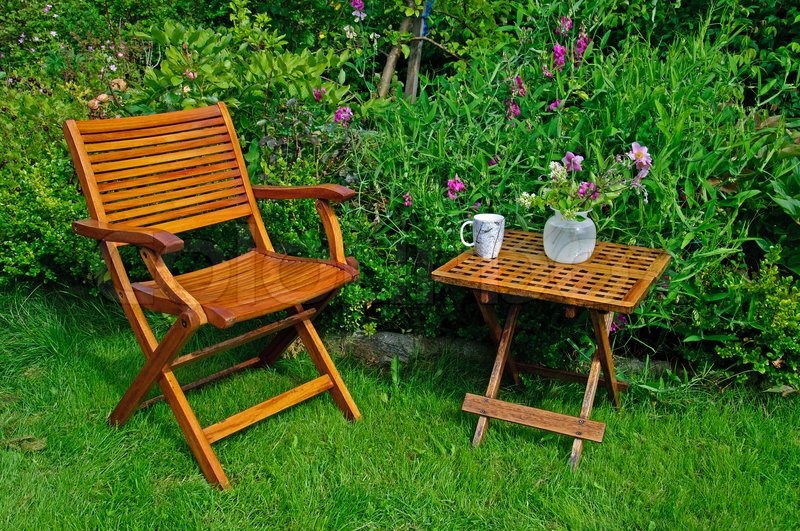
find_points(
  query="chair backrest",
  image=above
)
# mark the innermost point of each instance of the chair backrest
(174, 171)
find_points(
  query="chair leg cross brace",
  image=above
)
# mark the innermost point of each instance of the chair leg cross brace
(157, 369)
(582, 428)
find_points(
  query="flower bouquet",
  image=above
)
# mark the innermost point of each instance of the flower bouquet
(574, 196)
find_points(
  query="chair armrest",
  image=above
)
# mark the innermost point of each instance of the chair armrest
(160, 241)
(331, 192)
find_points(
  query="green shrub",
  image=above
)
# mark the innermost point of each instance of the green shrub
(695, 85)
(756, 319)
(37, 212)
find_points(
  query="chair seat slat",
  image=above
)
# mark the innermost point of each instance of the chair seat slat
(249, 285)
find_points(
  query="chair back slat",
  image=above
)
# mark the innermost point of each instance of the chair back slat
(176, 171)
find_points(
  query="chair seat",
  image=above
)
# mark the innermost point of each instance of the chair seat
(248, 286)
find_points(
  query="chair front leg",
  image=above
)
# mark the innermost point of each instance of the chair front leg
(176, 337)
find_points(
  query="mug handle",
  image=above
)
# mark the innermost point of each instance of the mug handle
(463, 226)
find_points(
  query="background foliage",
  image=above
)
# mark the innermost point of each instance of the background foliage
(713, 95)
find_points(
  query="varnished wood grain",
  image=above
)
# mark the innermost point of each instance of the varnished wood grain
(536, 418)
(148, 179)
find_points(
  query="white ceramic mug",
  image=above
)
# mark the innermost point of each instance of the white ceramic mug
(487, 234)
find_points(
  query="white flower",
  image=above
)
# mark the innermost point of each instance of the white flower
(557, 171)
(526, 200)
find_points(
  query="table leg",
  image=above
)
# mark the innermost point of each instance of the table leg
(601, 358)
(602, 324)
(586, 408)
(497, 370)
(495, 331)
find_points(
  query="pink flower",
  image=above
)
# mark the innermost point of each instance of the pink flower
(572, 162)
(554, 105)
(454, 186)
(520, 88)
(319, 92)
(559, 53)
(189, 74)
(407, 199)
(512, 110)
(546, 72)
(641, 158)
(587, 188)
(343, 115)
(619, 322)
(564, 25)
(581, 45)
(358, 7)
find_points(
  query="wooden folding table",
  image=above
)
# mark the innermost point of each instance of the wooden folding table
(614, 279)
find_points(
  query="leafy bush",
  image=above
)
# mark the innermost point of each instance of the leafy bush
(507, 88)
(756, 319)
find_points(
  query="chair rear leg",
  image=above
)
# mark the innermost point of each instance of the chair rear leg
(324, 363)
(281, 341)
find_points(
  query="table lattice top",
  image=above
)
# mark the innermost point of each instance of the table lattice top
(615, 278)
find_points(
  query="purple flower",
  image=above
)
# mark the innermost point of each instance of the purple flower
(520, 88)
(494, 160)
(343, 115)
(21, 38)
(559, 53)
(512, 110)
(358, 7)
(581, 44)
(572, 162)
(587, 188)
(619, 322)
(554, 105)
(407, 199)
(564, 25)
(47, 8)
(454, 186)
(319, 92)
(546, 72)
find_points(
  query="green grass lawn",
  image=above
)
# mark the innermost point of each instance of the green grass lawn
(695, 458)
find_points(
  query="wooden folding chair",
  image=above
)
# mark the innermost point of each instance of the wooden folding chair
(146, 179)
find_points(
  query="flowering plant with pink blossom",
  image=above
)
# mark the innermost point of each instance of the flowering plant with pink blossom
(570, 190)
